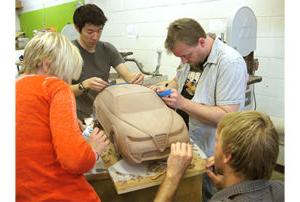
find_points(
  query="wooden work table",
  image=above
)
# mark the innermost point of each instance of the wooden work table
(141, 185)
(189, 190)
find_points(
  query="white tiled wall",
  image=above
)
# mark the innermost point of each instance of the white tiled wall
(140, 26)
(30, 5)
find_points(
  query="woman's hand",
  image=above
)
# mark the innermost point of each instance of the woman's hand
(98, 141)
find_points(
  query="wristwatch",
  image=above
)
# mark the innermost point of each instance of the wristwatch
(82, 88)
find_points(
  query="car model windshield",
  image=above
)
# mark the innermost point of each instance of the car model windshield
(139, 102)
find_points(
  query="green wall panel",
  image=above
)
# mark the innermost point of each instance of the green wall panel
(55, 16)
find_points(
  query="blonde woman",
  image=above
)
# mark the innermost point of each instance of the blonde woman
(51, 154)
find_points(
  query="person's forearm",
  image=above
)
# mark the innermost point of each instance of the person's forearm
(167, 190)
(73, 153)
(204, 113)
(122, 71)
(128, 77)
(179, 159)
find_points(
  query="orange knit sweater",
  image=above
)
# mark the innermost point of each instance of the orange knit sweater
(51, 154)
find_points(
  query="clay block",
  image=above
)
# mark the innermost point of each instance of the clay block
(140, 125)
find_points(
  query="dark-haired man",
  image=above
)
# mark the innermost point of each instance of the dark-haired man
(98, 57)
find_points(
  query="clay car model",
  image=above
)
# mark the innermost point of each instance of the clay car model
(140, 125)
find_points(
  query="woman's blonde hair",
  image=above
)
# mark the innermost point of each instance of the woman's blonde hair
(63, 57)
(251, 139)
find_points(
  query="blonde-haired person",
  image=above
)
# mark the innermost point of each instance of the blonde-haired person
(52, 54)
(51, 154)
(245, 154)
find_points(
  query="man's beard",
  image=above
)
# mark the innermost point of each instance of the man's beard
(197, 67)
